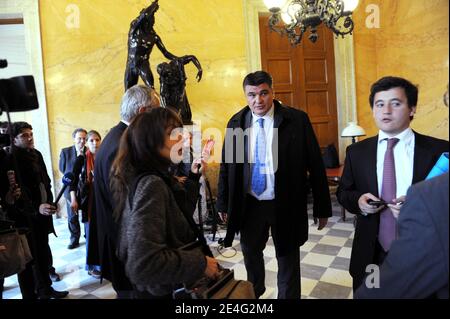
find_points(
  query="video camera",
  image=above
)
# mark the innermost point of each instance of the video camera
(17, 94)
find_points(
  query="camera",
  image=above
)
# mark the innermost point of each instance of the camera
(17, 94)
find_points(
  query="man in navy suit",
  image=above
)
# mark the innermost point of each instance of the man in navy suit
(263, 183)
(417, 263)
(393, 101)
(136, 99)
(66, 163)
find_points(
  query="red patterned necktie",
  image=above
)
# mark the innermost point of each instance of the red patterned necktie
(387, 230)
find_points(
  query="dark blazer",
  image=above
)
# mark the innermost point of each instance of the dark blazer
(360, 177)
(298, 154)
(67, 159)
(107, 229)
(417, 263)
(30, 170)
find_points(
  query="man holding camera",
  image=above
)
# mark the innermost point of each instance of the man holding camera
(379, 170)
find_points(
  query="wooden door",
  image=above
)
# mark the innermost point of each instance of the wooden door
(304, 77)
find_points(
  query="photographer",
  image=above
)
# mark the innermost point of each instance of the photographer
(29, 203)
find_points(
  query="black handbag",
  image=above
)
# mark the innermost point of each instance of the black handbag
(225, 286)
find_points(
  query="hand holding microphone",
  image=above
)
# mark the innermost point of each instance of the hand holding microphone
(67, 180)
(49, 209)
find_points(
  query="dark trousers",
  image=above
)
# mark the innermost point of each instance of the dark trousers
(260, 217)
(35, 277)
(74, 224)
(379, 256)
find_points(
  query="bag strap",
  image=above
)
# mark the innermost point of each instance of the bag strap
(232, 289)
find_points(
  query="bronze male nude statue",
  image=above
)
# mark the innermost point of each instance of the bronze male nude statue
(141, 39)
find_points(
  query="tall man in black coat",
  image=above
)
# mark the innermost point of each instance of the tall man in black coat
(136, 99)
(282, 147)
(393, 101)
(67, 159)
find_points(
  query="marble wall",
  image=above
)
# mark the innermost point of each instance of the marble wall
(85, 47)
(84, 54)
(411, 42)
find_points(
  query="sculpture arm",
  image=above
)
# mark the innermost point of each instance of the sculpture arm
(192, 58)
(163, 49)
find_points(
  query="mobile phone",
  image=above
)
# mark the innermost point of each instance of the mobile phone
(377, 203)
(206, 152)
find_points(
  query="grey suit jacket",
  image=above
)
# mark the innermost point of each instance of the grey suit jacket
(417, 265)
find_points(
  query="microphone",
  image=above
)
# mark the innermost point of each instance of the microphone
(78, 165)
(67, 180)
(12, 179)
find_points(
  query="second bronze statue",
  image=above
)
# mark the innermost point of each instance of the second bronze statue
(172, 78)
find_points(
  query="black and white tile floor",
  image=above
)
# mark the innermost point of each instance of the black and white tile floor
(324, 264)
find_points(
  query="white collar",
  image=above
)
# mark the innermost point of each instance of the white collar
(406, 136)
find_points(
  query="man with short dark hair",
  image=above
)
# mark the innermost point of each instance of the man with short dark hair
(67, 160)
(382, 168)
(263, 183)
(31, 206)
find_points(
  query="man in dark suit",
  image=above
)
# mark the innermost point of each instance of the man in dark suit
(67, 159)
(136, 99)
(417, 263)
(263, 183)
(383, 167)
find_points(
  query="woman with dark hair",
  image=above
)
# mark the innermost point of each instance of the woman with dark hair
(152, 207)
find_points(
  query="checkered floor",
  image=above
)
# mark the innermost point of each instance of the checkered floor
(324, 264)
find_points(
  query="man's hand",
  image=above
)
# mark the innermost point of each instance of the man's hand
(223, 217)
(395, 208)
(74, 206)
(322, 222)
(181, 179)
(365, 207)
(13, 194)
(47, 209)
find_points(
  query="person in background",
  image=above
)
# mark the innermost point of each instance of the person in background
(66, 164)
(136, 99)
(83, 186)
(383, 167)
(152, 208)
(268, 189)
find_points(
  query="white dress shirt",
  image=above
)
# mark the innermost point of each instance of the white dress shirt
(403, 157)
(269, 192)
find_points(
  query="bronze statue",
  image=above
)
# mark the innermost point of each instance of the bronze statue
(141, 39)
(172, 78)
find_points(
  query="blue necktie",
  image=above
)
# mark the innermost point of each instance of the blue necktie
(258, 171)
